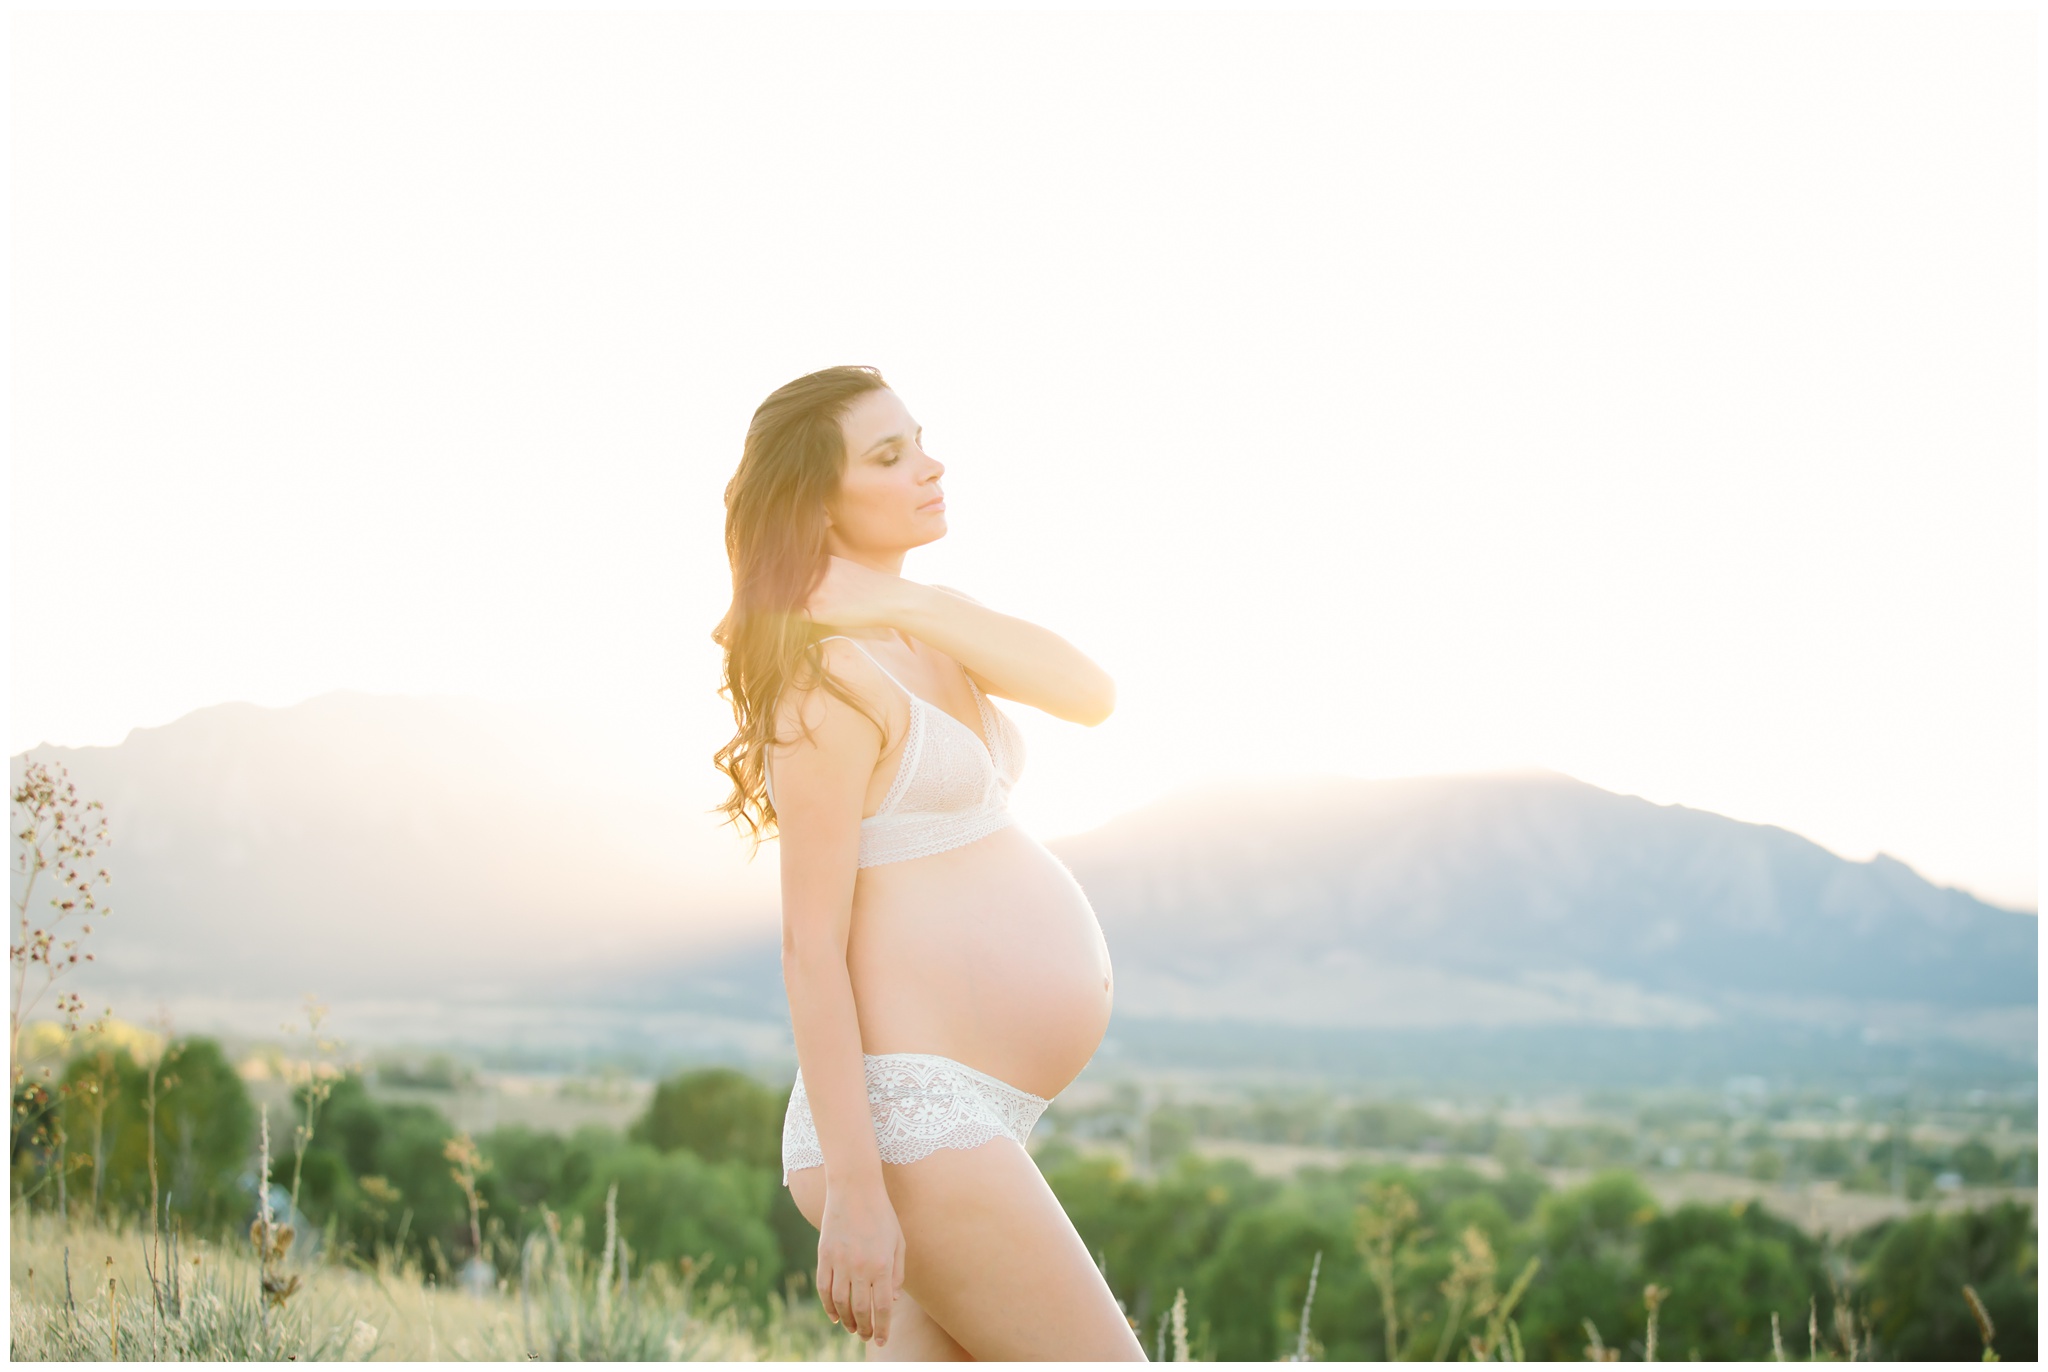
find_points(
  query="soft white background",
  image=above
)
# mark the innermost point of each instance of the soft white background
(1645, 395)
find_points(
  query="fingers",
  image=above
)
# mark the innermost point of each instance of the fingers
(886, 1307)
(885, 1301)
(864, 1309)
(860, 1305)
(833, 1309)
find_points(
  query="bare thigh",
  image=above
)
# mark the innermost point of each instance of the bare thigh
(991, 1262)
(914, 1336)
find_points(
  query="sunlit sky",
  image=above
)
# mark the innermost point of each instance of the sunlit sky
(1647, 396)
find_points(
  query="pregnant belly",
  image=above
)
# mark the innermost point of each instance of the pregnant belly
(989, 954)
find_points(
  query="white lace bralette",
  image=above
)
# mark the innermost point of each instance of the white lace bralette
(950, 787)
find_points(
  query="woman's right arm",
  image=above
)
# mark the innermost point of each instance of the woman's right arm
(820, 788)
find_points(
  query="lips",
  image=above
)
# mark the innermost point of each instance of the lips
(937, 502)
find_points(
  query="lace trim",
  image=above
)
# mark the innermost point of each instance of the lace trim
(998, 754)
(906, 763)
(924, 835)
(921, 1102)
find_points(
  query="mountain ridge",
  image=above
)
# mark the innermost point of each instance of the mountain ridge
(374, 845)
(1531, 897)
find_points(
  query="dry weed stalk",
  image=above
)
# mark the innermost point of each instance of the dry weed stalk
(1301, 1340)
(271, 1240)
(1470, 1283)
(315, 1076)
(1596, 1351)
(1983, 1317)
(48, 1139)
(161, 1051)
(1845, 1320)
(100, 1085)
(604, 1271)
(1469, 1294)
(1500, 1324)
(1180, 1324)
(1653, 1296)
(470, 1164)
(52, 833)
(1386, 1235)
(47, 796)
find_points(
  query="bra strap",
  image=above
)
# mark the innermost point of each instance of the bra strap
(871, 657)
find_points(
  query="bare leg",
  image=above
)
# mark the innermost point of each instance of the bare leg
(990, 1255)
(993, 1269)
(914, 1336)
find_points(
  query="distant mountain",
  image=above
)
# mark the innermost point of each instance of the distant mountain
(386, 847)
(399, 855)
(1532, 898)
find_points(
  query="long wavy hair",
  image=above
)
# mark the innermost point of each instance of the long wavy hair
(775, 503)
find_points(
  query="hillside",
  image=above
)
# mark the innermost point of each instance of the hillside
(488, 864)
(370, 846)
(1533, 898)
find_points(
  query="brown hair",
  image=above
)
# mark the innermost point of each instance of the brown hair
(775, 537)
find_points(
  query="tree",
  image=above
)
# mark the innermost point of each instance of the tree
(198, 1139)
(1728, 1267)
(718, 1114)
(676, 1205)
(1591, 1242)
(1915, 1269)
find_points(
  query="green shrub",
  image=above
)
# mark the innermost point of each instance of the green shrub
(718, 1114)
(205, 1132)
(677, 1205)
(1728, 1268)
(1914, 1270)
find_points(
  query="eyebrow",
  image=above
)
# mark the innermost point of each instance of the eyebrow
(892, 438)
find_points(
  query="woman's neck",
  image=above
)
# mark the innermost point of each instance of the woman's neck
(890, 561)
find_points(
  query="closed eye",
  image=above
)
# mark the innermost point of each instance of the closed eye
(889, 457)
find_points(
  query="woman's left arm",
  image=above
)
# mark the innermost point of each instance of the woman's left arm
(1008, 657)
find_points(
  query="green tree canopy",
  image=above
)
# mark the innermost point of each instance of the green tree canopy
(205, 1131)
(718, 1114)
(677, 1205)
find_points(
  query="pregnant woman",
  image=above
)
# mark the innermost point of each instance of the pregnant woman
(946, 975)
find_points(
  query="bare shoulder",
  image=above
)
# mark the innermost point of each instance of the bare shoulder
(955, 590)
(809, 706)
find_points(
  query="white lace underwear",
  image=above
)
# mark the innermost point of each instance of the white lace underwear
(921, 1103)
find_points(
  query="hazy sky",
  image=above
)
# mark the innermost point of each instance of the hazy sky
(1648, 396)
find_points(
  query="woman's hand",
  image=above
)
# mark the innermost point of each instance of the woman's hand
(854, 596)
(860, 1259)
